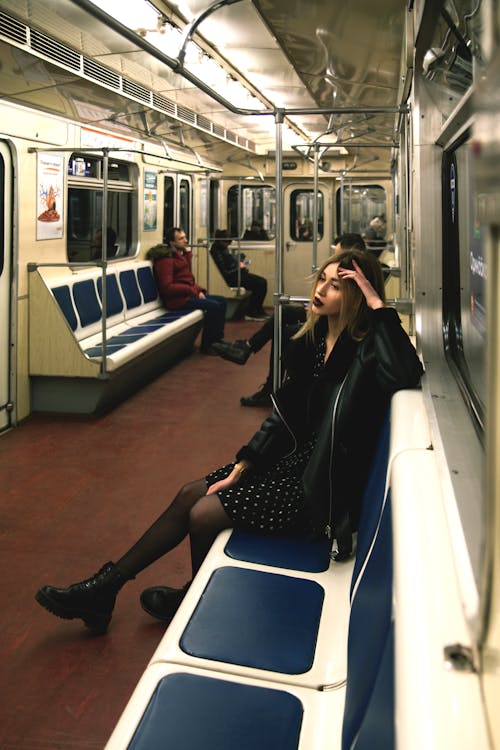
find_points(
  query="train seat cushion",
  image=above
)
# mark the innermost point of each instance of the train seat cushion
(114, 300)
(192, 712)
(256, 619)
(63, 298)
(369, 626)
(294, 553)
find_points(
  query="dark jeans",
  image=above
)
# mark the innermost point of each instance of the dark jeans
(214, 308)
(257, 285)
(291, 317)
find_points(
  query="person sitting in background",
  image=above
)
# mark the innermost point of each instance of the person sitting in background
(179, 290)
(96, 247)
(227, 263)
(374, 235)
(240, 351)
(256, 232)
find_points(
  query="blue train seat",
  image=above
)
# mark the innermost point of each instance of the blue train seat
(204, 712)
(291, 552)
(82, 364)
(371, 603)
(255, 603)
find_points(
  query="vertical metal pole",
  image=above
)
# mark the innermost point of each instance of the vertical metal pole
(340, 229)
(240, 232)
(279, 255)
(104, 255)
(207, 214)
(315, 210)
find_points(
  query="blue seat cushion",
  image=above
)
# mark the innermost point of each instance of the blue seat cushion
(130, 289)
(147, 284)
(114, 302)
(194, 712)
(256, 619)
(294, 553)
(115, 343)
(377, 731)
(86, 302)
(369, 625)
(63, 297)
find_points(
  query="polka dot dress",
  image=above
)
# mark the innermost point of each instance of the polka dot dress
(271, 500)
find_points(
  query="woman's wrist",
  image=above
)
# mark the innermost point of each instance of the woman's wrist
(242, 466)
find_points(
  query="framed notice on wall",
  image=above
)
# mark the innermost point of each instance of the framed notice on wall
(49, 204)
(150, 201)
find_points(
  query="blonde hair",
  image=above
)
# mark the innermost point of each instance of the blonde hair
(354, 312)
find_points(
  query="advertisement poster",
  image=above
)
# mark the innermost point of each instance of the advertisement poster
(49, 206)
(150, 201)
(477, 273)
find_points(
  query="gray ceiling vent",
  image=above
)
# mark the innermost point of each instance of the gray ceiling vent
(98, 72)
(54, 51)
(51, 50)
(13, 29)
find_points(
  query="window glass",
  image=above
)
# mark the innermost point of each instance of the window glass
(358, 205)
(85, 220)
(85, 192)
(301, 215)
(168, 204)
(185, 206)
(472, 275)
(251, 212)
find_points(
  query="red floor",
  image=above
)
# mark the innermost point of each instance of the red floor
(77, 492)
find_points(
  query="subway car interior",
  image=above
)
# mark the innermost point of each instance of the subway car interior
(289, 124)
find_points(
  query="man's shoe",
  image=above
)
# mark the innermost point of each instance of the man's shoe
(162, 602)
(257, 317)
(261, 398)
(238, 352)
(215, 349)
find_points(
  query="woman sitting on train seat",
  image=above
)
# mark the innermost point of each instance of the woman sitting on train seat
(227, 263)
(292, 315)
(342, 368)
(179, 290)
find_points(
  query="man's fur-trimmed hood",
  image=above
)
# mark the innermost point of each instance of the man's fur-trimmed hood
(160, 251)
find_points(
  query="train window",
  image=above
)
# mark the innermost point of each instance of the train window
(168, 204)
(464, 281)
(185, 206)
(358, 204)
(258, 207)
(85, 198)
(301, 215)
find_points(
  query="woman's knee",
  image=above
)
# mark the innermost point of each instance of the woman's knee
(190, 493)
(208, 513)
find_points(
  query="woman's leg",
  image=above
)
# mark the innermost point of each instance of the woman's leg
(93, 600)
(165, 533)
(206, 519)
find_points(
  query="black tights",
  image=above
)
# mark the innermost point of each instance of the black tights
(192, 512)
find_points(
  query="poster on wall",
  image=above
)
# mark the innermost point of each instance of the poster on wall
(49, 204)
(150, 201)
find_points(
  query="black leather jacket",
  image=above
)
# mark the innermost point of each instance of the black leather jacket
(344, 407)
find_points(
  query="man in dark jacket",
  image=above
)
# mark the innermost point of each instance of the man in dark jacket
(227, 263)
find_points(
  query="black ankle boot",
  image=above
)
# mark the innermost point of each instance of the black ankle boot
(163, 602)
(92, 600)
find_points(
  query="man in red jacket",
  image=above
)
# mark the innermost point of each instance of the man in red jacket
(179, 290)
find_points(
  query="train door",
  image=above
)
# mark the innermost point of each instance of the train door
(299, 258)
(5, 282)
